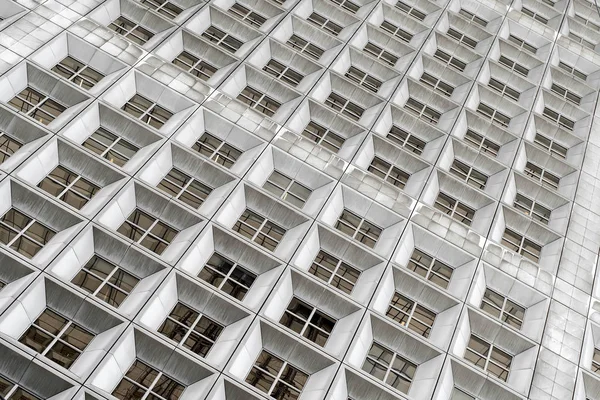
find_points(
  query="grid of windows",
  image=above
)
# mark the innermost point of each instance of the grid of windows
(454, 208)
(110, 146)
(560, 119)
(191, 329)
(522, 245)
(581, 40)
(259, 229)
(502, 308)
(334, 271)
(407, 140)
(217, 150)
(105, 280)
(566, 94)
(390, 367)
(388, 172)
(276, 377)
(57, 338)
(592, 25)
(227, 276)
(488, 357)
(58, 81)
(36, 105)
(147, 111)
(596, 361)
(148, 231)
(358, 228)
(8, 146)
(411, 314)
(324, 137)
(307, 321)
(132, 31)
(144, 381)
(185, 188)
(77, 72)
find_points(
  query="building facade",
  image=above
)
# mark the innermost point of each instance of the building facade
(299, 199)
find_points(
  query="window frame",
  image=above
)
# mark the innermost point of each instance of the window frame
(334, 272)
(503, 312)
(135, 228)
(320, 138)
(452, 210)
(430, 271)
(115, 285)
(287, 190)
(410, 312)
(532, 208)
(308, 320)
(237, 279)
(190, 329)
(410, 141)
(223, 151)
(465, 172)
(485, 145)
(266, 224)
(344, 106)
(488, 358)
(259, 101)
(524, 243)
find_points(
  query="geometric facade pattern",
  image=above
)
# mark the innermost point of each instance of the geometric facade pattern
(299, 199)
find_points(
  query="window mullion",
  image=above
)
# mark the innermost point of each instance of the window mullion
(146, 232)
(21, 232)
(151, 386)
(55, 339)
(105, 280)
(278, 376)
(228, 275)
